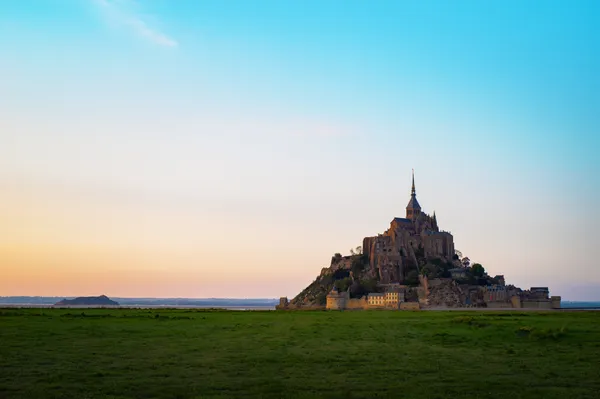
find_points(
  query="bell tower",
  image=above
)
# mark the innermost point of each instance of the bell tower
(413, 209)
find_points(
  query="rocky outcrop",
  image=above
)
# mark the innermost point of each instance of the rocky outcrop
(444, 293)
(389, 270)
(354, 269)
(315, 294)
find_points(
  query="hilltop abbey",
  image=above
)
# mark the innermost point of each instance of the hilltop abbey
(405, 238)
(412, 265)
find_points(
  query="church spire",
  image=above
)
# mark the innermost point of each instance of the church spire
(413, 209)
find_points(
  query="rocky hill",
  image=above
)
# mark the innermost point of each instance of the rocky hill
(412, 251)
(357, 275)
(101, 300)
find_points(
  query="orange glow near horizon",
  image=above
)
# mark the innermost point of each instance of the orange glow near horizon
(53, 244)
(65, 247)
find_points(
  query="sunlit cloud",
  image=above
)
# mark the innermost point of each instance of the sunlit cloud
(120, 12)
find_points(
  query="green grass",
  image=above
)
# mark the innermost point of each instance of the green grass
(104, 353)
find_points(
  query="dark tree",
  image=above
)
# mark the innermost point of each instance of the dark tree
(412, 278)
(341, 274)
(369, 285)
(477, 270)
(357, 290)
(358, 265)
(343, 284)
(420, 252)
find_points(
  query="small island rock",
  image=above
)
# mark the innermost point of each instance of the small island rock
(101, 300)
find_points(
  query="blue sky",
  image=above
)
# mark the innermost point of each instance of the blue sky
(215, 143)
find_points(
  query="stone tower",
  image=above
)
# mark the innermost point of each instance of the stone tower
(413, 209)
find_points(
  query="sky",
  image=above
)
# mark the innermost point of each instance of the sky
(210, 148)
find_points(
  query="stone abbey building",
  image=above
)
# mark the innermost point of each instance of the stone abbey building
(407, 238)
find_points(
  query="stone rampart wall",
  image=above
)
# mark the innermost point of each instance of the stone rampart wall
(357, 303)
(536, 304)
(410, 306)
(336, 302)
(516, 302)
(499, 305)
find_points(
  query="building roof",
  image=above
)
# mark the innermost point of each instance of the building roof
(496, 287)
(395, 289)
(402, 220)
(413, 203)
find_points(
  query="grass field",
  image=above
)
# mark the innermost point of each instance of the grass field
(107, 353)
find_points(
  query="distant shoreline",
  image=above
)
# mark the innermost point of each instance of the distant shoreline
(49, 301)
(48, 306)
(222, 304)
(272, 308)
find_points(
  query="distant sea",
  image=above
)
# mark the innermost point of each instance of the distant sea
(221, 303)
(580, 304)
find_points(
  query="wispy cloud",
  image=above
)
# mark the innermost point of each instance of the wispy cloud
(121, 12)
